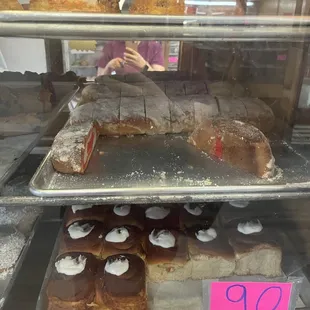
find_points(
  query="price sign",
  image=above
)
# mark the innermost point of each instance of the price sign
(250, 296)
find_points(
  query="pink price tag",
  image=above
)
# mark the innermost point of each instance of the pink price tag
(173, 59)
(250, 296)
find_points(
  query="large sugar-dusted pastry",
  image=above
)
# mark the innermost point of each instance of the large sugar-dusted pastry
(72, 281)
(120, 283)
(167, 256)
(73, 146)
(239, 144)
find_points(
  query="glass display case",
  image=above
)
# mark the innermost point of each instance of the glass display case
(161, 161)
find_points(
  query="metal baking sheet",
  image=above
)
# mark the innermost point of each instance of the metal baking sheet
(7, 283)
(161, 165)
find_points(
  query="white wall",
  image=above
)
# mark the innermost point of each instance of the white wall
(24, 54)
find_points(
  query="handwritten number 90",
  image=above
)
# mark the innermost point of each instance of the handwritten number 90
(243, 296)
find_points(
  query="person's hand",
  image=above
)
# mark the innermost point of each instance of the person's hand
(134, 59)
(115, 63)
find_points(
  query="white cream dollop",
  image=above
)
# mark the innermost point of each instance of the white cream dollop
(119, 234)
(71, 266)
(251, 227)
(77, 231)
(80, 207)
(163, 238)
(117, 266)
(157, 213)
(194, 211)
(206, 235)
(122, 210)
(239, 204)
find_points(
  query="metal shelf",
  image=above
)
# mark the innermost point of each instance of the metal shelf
(145, 27)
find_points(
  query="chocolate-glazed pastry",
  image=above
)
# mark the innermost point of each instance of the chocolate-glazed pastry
(84, 236)
(211, 255)
(120, 283)
(84, 212)
(120, 215)
(162, 216)
(257, 250)
(167, 256)
(198, 214)
(121, 240)
(72, 281)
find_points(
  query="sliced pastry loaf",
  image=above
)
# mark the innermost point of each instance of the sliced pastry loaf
(237, 143)
(73, 146)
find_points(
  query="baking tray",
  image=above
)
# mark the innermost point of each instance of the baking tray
(7, 283)
(291, 268)
(167, 164)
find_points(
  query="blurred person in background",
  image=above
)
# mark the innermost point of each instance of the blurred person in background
(121, 57)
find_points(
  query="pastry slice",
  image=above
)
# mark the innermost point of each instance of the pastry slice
(121, 240)
(232, 108)
(72, 148)
(72, 281)
(131, 90)
(120, 283)
(205, 108)
(257, 250)
(195, 87)
(167, 256)
(163, 215)
(93, 92)
(211, 255)
(239, 144)
(84, 212)
(120, 215)
(107, 116)
(175, 88)
(132, 116)
(157, 113)
(83, 236)
(182, 114)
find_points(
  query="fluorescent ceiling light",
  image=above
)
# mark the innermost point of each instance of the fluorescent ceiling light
(216, 3)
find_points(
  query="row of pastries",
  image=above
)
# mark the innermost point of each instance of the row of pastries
(108, 254)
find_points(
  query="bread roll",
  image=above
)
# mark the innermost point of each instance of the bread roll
(121, 240)
(257, 250)
(211, 255)
(120, 283)
(167, 256)
(82, 236)
(72, 281)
